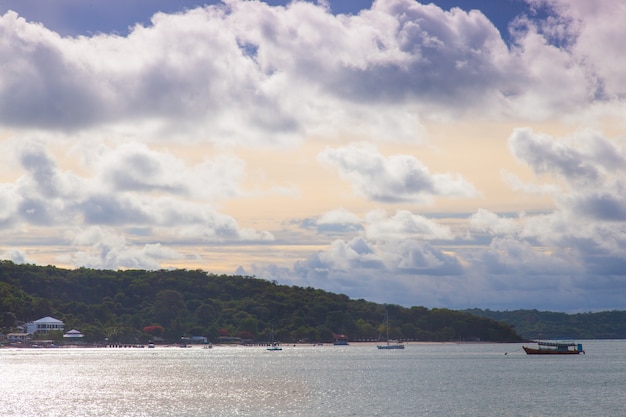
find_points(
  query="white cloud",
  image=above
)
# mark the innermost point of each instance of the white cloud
(10, 201)
(396, 178)
(338, 216)
(485, 221)
(517, 184)
(130, 186)
(245, 74)
(135, 167)
(15, 255)
(338, 221)
(98, 247)
(404, 225)
(235, 73)
(597, 44)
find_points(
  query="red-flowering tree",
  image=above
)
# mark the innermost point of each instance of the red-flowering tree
(154, 330)
(245, 335)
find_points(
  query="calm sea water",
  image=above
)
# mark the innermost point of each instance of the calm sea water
(355, 380)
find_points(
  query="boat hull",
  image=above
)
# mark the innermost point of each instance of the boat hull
(390, 346)
(532, 351)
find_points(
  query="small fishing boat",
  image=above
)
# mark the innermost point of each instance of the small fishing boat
(554, 348)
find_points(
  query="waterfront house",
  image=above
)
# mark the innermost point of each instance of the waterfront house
(18, 337)
(44, 325)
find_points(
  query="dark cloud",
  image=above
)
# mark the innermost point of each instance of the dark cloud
(600, 206)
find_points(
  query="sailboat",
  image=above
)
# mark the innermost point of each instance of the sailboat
(393, 344)
(273, 345)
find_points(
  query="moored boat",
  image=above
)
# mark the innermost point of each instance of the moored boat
(391, 344)
(555, 348)
(273, 346)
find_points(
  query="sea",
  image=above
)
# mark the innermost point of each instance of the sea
(425, 379)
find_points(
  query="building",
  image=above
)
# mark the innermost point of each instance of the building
(18, 337)
(73, 337)
(198, 340)
(44, 325)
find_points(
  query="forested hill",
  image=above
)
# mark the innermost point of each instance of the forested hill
(135, 305)
(533, 324)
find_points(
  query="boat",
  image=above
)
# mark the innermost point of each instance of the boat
(273, 345)
(341, 340)
(554, 348)
(391, 344)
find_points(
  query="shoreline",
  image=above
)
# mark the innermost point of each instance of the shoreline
(230, 345)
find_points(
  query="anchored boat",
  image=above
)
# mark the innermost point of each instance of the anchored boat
(554, 348)
(390, 344)
(273, 346)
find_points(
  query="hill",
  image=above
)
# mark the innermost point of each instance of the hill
(135, 305)
(533, 324)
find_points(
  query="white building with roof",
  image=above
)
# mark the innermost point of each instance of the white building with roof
(73, 335)
(18, 337)
(44, 325)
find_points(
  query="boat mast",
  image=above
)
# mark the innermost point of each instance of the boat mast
(387, 324)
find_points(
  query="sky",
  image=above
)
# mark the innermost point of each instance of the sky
(457, 154)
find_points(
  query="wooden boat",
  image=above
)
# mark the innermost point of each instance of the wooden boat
(390, 344)
(554, 348)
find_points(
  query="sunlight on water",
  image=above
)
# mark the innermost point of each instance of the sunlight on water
(422, 380)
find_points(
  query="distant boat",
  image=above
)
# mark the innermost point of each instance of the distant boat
(554, 348)
(391, 344)
(341, 340)
(273, 345)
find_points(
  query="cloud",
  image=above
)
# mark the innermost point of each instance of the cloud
(565, 258)
(136, 148)
(516, 184)
(226, 73)
(10, 201)
(98, 247)
(135, 167)
(597, 44)
(410, 272)
(485, 221)
(16, 256)
(129, 186)
(396, 178)
(338, 221)
(404, 225)
(590, 165)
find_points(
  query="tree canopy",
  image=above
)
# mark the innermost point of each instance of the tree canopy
(136, 305)
(534, 324)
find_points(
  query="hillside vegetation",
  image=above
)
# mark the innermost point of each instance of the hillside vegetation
(135, 305)
(533, 324)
